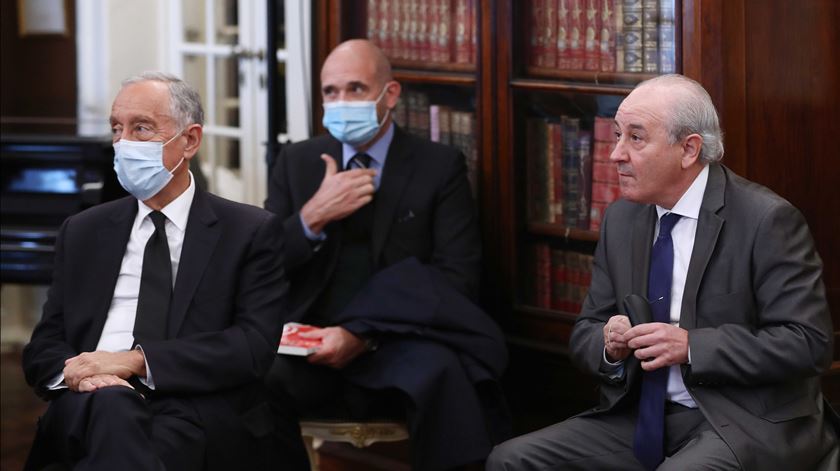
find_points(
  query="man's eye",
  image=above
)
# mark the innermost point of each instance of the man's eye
(636, 138)
(617, 136)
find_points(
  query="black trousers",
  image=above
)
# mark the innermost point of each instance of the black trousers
(117, 428)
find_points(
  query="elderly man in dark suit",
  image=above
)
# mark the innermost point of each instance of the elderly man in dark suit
(164, 310)
(354, 202)
(726, 375)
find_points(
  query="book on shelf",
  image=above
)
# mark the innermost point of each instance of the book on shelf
(602, 35)
(562, 278)
(559, 171)
(605, 188)
(424, 31)
(417, 115)
(292, 343)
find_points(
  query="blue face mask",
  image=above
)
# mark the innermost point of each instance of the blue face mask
(139, 167)
(353, 122)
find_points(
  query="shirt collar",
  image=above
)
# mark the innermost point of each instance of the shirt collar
(378, 151)
(690, 202)
(177, 211)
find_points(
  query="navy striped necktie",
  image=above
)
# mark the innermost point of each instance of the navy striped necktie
(360, 160)
(649, 439)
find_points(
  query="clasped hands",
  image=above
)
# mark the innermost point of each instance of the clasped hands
(90, 371)
(656, 344)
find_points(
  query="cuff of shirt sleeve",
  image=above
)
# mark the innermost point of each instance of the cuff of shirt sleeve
(57, 383)
(308, 232)
(614, 371)
(148, 381)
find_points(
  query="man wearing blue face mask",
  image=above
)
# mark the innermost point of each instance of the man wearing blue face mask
(163, 313)
(381, 243)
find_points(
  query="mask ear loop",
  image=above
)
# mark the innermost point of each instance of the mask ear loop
(178, 134)
(387, 110)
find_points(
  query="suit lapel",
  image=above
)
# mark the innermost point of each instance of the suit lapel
(112, 242)
(398, 167)
(709, 225)
(200, 240)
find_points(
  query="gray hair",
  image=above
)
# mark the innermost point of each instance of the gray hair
(691, 112)
(184, 100)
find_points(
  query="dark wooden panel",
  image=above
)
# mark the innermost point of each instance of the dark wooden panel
(792, 97)
(38, 73)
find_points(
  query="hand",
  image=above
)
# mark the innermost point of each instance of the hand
(340, 195)
(92, 383)
(614, 340)
(658, 344)
(338, 347)
(120, 364)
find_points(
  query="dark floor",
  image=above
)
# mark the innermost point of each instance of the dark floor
(19, 409)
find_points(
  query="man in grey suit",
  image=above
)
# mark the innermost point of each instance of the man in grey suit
(745, 328)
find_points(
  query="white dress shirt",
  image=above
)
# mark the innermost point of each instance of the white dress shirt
(118, 332)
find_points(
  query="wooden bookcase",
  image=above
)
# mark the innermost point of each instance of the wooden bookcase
(771, 68)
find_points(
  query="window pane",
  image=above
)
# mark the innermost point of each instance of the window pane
(227, 91)
(193, 17)
(227, 21)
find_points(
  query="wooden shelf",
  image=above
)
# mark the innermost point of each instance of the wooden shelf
(435, 77)
(436, 66)
(596, 77)
(544, 85)
(559, 230)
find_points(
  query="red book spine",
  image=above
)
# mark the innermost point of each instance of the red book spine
(462, 46)
(384, 31)
(543, 278)
(576, 35)
(536, 54)
(563, 53)
(424, 30)
(473, 31)
(550, 34)
(592, 44)
(373, 21)
(607, 39)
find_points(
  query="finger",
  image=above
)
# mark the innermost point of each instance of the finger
(86, 386)
(359, 172)
(332, 168)
(313, 334)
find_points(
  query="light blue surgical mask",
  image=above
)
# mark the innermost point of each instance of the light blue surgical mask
(353, 122)
(139, 166)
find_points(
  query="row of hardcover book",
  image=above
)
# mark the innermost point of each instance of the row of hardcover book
(562, 278)
(571, 180)
(603, 35)
(428, 31)
(416, 114)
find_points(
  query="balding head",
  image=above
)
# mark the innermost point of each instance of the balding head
(358, 56)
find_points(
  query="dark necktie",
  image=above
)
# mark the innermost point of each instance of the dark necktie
(649, 439)
(155, 285)
(360, 160)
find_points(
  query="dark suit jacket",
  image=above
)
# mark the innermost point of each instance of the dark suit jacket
(226, 313)
(423, 209)
(755, 308)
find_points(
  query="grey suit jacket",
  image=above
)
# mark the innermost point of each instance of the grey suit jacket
(755, 308)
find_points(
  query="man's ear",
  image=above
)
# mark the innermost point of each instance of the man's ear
(392, 95)
(691, 150)
(194, 132)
